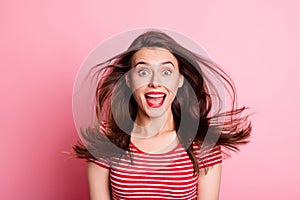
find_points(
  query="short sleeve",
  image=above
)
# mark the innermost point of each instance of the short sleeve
(102, 162)
(208, 157)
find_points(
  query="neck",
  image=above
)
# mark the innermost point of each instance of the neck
(146, 127)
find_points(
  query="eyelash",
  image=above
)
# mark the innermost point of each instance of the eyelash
(168, 71)
(140, 72)
(146, 72)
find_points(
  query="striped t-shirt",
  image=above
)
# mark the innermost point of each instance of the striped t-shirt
(157, 176)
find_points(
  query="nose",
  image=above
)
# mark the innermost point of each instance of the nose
(155, 81)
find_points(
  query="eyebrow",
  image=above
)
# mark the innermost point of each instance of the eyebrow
(145, 63)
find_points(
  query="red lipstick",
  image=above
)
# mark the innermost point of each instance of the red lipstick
(155, 99)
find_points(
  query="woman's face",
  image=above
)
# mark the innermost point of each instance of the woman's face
(154, 79)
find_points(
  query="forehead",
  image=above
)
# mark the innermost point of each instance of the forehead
(153, 55)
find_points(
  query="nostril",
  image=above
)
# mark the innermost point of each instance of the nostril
(154, 84)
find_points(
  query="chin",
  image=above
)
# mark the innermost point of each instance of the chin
(157, 112)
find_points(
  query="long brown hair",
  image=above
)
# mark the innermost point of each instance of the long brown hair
(194, 119)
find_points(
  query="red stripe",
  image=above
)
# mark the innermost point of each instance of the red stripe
(157, 176)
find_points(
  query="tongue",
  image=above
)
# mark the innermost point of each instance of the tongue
(156, 100)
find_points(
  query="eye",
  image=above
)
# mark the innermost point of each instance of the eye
(143, 72)
(166, 72)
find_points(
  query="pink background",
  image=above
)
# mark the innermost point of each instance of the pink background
(43, 44)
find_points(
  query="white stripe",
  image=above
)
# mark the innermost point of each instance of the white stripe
(157, 170)
(150, 175)
(157, 196)
(150, 193)
(151, 180)
(208, 163)
(130, 190)
(218, 157)
(152, 165)
(158, 156)
(193, 183)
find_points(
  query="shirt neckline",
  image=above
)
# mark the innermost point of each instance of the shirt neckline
(155, 154)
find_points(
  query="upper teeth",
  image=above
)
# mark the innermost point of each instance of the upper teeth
(155, 95)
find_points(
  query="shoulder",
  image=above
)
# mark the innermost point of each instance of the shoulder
(207, 156)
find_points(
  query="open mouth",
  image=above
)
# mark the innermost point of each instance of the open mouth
(155, 99)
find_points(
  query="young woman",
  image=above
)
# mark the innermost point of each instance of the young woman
(161, 124)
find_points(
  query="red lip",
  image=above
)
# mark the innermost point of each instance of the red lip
(153, 92)
(155, 99)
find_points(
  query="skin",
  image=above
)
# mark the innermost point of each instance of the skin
(154, 69)
(98, 181)
(209, 184)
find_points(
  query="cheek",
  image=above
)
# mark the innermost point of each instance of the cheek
(172, 85)
(138, 94)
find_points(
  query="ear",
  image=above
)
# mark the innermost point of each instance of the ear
(127, 80)
(181, 80)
